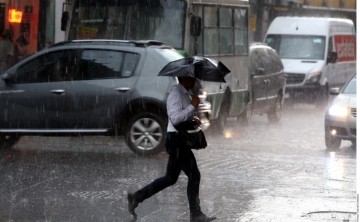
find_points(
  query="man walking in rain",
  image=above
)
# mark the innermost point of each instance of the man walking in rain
(180, 107)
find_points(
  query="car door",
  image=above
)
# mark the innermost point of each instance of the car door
(258, 80)
(274, 74)
(100, 88)
(31, 96)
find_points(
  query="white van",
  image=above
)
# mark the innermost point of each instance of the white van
(317, 54)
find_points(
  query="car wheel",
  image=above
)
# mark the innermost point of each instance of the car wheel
(246, 116)
(218, 125)
(353, 144)
(7, 141)
(145, 134)
(274, 115)
(322, 99)
(332, 143)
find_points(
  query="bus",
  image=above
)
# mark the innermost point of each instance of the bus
(216, 29)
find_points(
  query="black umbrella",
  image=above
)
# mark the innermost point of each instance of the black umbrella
(198, 67)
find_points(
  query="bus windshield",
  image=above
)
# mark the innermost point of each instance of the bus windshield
(298, 46)
(129, 20)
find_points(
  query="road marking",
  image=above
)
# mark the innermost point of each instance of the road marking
(97, 195)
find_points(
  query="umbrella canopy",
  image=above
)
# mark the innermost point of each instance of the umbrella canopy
(197, 67)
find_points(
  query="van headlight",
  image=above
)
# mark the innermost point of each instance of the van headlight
(338, 111)
(314, 78)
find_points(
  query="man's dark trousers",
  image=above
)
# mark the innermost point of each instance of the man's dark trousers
(180, 158)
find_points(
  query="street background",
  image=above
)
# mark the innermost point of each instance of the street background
(261, 172)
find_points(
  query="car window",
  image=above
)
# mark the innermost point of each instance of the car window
(129, 64)
(103, 64)
(50, 67)
(255, 60)
(267, 61)
(274, 62)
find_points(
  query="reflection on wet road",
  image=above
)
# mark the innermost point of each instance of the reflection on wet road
(261, 172)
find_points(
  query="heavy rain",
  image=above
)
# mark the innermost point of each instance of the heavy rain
(90, 124)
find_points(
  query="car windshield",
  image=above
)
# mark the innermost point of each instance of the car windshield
(350, 88)
(298, 47)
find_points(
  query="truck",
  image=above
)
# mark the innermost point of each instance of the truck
(318, 53)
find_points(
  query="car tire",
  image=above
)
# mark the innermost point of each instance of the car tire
(322, 99)
(145, 133)
(332, 143)
(274, 115)
(8, 141)
(218, 125)
(246, 116)
(353, 144)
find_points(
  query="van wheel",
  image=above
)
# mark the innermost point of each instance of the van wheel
(332, 143)
(274, 115)
(145, 133)
(7, 141)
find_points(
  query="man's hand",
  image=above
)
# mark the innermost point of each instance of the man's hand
(195, 101)
(197, 121)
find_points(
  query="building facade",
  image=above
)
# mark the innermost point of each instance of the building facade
(37, 22)
(33, 23)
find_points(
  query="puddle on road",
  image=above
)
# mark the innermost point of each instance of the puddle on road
(341, 216)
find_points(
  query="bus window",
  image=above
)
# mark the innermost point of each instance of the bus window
(241, 31)
(211, 36)
(225, 30)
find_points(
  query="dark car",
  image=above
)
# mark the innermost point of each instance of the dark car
(267, 83)
(340, 117)
(101, 87)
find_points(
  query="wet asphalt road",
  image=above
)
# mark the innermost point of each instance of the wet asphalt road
(262, 172)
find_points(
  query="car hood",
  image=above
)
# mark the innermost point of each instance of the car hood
(348, 100)
(302, 65)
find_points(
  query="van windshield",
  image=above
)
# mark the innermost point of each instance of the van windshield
(298, 46)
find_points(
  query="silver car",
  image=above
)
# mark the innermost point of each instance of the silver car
(101, 87)
(340, 117)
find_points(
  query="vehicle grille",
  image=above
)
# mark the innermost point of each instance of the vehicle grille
(294, 78)
(353, 112)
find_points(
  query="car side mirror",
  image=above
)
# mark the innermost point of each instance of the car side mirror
(258, 71)
(195, 25)
(334, 91)
(6, 78)
(332, 57)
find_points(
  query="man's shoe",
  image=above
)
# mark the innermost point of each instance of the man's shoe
(201, 218)
(132, 204)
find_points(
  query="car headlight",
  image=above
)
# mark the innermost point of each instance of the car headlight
(339, 111)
